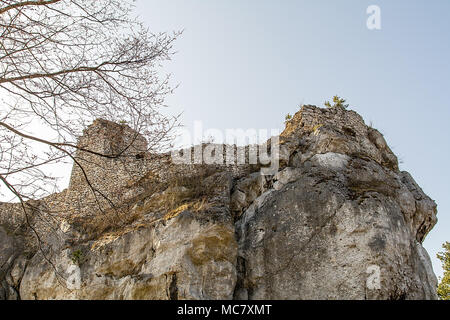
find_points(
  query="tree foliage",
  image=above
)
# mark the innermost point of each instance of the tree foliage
(444, 285)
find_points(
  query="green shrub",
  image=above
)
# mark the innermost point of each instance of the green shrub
(444, 285)
(337, 103)
(77, 257)
(288, 117)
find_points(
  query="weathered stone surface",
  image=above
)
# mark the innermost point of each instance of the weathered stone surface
(314, 233)
(179, 259)
(337, 221)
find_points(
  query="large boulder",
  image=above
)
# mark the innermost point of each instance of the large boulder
(338, 220)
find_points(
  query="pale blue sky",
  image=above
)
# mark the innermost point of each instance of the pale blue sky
(247, 63)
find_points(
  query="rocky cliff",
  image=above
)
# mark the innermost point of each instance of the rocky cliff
(338, 220)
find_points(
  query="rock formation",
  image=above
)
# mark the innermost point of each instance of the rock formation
(337, 221)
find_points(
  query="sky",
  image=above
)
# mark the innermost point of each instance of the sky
(248, 63)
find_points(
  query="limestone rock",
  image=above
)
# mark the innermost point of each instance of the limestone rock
(337, 221)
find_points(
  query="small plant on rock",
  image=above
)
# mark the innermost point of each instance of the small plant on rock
(337, 103)
(288, 118)
(77, 257)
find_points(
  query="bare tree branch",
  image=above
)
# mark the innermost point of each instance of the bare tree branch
(64, 64)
